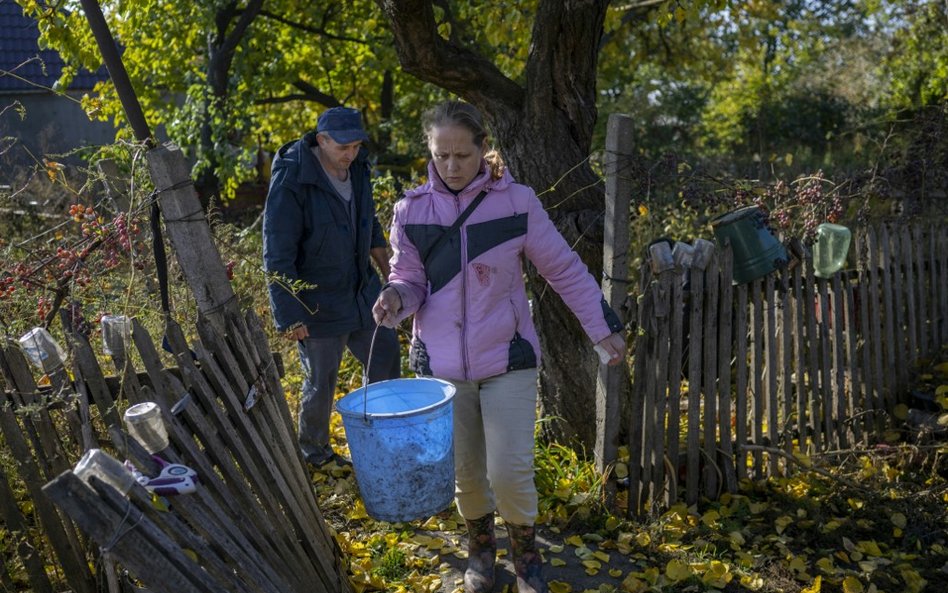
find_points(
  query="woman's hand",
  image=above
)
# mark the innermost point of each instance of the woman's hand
(387, 307)
(611, 349)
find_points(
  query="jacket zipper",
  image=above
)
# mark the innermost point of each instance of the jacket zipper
(464, 356)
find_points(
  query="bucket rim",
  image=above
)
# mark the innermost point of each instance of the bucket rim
(448, 391)
(732, 216)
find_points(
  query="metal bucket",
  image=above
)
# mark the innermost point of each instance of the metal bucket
(756, 250)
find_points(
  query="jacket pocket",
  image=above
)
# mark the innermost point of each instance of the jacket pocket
(520, 355)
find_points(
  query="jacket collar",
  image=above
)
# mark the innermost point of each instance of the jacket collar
(481, 181)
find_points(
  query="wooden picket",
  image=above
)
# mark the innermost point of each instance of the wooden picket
(785, 364)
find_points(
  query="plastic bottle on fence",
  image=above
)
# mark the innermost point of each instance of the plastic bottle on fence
(831, 249)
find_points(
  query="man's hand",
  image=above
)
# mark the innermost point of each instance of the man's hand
(387, 307)
(297, 332)
(611, 349)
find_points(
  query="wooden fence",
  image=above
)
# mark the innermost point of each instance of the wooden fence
(730, 381)
(252, 525)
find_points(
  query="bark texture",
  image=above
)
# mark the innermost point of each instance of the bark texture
(543, 128)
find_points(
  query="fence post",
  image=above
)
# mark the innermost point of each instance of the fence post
(615, 268)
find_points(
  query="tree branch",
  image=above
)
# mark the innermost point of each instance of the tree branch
(634, 10)
(247, 16)
(309, 28)
(429, 57)
(310, 93)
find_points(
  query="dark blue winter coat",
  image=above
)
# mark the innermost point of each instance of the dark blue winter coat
(308, 237)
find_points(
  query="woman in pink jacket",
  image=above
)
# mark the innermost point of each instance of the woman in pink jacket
(472, 325)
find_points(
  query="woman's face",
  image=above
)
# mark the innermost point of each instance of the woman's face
(455, 155)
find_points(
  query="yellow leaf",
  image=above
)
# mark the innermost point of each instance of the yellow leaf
(941, 389)
(574, 540)
(557, 562)
(710, 518)
(870, 547)
(643, 539)
(855, 503)
(601, 555)
(612, 523)
(798, 564)
(556, 548)
(651, 574)
(913, 581)
(737, 538)
(826, 565)
(643, 211)
(752, 582)
(898, 519)
(615, 573)
(782, 522)
(677, 570)
(559, 587)
(634, 585)
(815, 586)
(717, 575)
(852, 585)
(592, 564)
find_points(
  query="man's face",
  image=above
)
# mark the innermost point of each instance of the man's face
(335, 156)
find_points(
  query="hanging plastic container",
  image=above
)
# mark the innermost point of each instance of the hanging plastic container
(110, 470)
(146, 426)
(116, 333)
(831, 249)
(755, 249)
(42, 350)
(401, 437)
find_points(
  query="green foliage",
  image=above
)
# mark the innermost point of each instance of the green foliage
(568, 486)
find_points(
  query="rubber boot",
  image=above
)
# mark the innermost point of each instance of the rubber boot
(526, 559)
(481, 555)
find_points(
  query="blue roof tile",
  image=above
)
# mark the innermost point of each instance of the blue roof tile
(18, 54)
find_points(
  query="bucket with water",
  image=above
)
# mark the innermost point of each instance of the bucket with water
(756, 250)
(401, 438)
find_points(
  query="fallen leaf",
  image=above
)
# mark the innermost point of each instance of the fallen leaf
(852, 585)
(676, 570)
(815, 586)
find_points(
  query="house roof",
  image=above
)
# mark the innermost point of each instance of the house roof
(18, 52)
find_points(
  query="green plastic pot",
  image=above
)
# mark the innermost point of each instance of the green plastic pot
(756, 250)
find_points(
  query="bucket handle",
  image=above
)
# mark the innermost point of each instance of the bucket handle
(365, 376)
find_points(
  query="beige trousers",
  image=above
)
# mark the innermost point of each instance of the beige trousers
(493, 446)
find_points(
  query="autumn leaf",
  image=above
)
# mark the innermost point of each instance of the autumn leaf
(676, 570)
(852, 585)
(815, 586)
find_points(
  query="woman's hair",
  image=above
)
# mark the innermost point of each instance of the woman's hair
(463, 114)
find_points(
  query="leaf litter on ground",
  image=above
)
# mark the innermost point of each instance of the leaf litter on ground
(811, 532)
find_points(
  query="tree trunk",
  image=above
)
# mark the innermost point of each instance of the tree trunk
(544, 132)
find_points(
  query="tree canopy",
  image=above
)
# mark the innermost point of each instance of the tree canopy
(750, 89)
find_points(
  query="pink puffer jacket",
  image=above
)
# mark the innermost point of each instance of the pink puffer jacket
(472, 317)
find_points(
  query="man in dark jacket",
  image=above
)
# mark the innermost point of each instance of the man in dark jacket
(319, 231)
